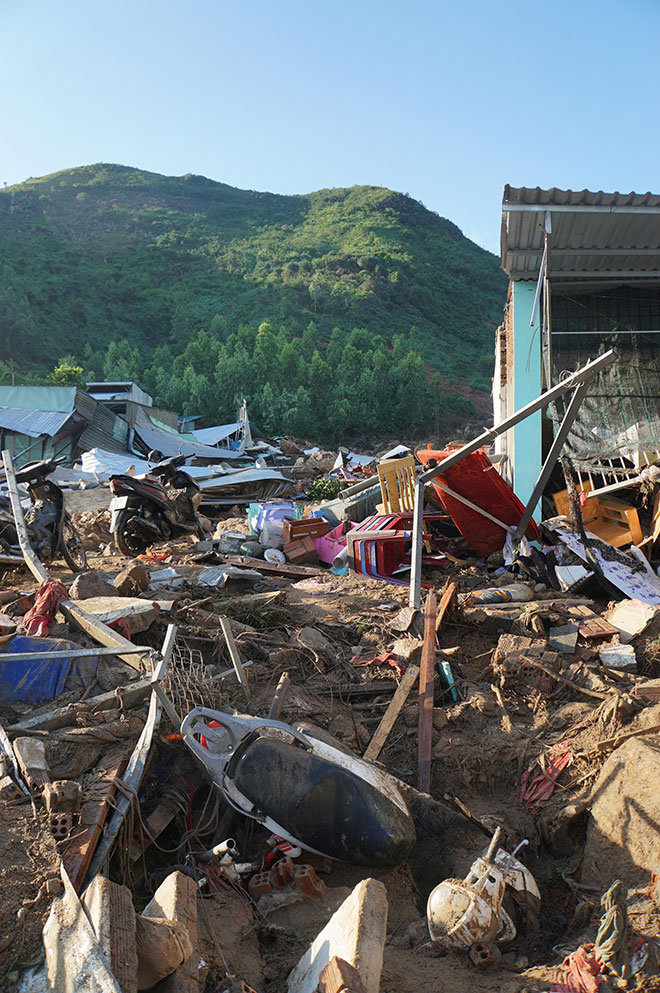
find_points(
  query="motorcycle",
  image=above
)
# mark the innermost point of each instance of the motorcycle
(155, 507)
(303, 789)
(50, 529)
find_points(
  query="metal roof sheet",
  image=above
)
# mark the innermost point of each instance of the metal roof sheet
(170, 443)
(594, 235)
(212, 435)
(33, 423)
(42, 398)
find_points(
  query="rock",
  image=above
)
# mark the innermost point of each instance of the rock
(622, 835)
(288, 447)
(132, 580)
(315, 641)
(409, 650)
(90, 584)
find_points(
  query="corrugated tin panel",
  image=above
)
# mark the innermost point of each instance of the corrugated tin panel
(93, 437)
(52, 398)
(170, 443)
(604, 235)
(33, 422)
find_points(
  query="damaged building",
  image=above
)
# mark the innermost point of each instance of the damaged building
(584, 270)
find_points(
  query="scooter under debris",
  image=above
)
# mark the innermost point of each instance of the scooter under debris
(470, 913)
(50, 529)
(155, 507)
(303, 789)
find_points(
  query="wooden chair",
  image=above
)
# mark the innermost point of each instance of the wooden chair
(615, 522)
(397, 484)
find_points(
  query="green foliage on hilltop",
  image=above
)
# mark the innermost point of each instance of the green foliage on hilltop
(120, 270)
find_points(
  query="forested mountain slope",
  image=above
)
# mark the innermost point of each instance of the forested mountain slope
(327, 297)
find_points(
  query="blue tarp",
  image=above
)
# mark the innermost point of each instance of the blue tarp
(41, 678)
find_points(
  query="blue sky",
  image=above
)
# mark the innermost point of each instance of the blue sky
(447, 102)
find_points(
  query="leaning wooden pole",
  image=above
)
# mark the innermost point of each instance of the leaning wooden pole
(72, 611)
(426, 697)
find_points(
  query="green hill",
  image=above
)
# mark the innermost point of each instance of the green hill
(121, 269)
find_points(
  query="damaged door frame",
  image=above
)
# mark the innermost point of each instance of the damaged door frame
(579, 380)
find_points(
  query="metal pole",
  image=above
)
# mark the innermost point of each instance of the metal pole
(551, 458)
(582, 376)
(416, 558)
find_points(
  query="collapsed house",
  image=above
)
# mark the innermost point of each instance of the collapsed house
(584, 271)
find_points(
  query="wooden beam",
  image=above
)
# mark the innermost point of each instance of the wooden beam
(426, 677)
(234, 654)
(72, 611)
(279, 697)
(123, 697)
(138, 760)
(381, 733)
(78, 855)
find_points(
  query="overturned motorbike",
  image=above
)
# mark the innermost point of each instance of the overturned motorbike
(303, 789)
(155, 507)
(50, 529)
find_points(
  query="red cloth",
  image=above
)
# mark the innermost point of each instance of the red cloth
(39, 618)
(385, 658)
(539, 791)
(579, 973)
(122, 626)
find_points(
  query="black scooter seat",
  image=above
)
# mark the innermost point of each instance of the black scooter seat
(329, 808)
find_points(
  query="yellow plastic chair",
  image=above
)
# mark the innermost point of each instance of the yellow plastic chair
(397, 484)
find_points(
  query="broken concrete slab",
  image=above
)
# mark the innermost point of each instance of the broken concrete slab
(75, 961)
(632, 618)
(564, 639)
(176, 900)
(140, 614)
(625, 813)
(356, 933)
(109, 908)
(162, 947)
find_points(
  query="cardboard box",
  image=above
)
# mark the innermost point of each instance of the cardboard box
(308, 527)
(301, 552)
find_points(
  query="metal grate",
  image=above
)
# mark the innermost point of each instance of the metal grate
(190, 681)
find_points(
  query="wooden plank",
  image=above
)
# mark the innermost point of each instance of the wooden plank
(427, 673)
(78, 854)
(261, 566)
(279, 697)
(382, 732)
(234, 653)
(123, 696)
(72, 611)
(138, 760)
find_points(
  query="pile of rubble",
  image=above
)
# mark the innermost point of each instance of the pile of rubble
(229, 769)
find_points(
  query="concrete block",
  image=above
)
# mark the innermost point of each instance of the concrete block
(176, 900)
(356, 933)
(109, 908)
(75, 962)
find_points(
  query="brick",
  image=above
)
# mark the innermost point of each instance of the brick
(340, 977)
(309, 883)
(260, 884)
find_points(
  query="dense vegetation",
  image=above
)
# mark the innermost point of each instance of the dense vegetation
(348, 307)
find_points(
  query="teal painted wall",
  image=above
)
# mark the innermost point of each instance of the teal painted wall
(526, 386)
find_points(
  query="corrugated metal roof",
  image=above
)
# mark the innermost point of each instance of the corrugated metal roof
(164, 440)
(211, 436)
(33, 423)
(42, 398)
(595, 235)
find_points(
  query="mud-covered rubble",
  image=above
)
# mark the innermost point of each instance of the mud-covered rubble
(546, 745)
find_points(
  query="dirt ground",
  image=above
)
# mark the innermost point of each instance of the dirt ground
(483, 748)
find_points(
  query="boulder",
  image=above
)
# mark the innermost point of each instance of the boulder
(623, 840)
(132, 580)
(91, 584)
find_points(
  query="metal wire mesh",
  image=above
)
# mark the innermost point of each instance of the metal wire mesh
(190, 681)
